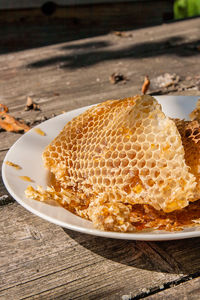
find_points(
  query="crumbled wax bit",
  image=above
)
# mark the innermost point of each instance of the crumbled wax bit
(26, 178)
(9, 163)
(39, 131)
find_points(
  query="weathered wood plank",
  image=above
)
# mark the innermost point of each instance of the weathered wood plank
(38, 257)
(54, 68)
(73, 74)
(40, 260)
(188, 291)
(3, 191)
(7, 139)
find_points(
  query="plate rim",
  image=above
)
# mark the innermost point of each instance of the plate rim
(142, 236)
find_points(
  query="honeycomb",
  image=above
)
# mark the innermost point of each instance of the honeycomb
(190, 135)
(122, 165)
(195, 114)
(123, 151)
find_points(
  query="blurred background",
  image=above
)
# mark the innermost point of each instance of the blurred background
(35, 23)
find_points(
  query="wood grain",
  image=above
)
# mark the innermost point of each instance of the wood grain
(39, 260)
(187, 290)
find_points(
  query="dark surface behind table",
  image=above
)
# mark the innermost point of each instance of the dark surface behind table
(39, 260)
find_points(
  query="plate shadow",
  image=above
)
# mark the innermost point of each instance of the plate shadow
(175, 257)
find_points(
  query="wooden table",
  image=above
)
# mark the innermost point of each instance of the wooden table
(39, 260)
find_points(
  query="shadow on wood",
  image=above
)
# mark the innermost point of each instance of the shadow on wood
(87, 54)
(25, 28)
(175, 257)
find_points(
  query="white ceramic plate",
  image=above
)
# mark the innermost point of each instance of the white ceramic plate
(27, 152)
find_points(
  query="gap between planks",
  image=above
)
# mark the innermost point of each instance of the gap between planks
(150, 292)
(166, 286)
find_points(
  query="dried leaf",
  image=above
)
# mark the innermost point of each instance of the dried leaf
(29, 101)
(164, 81)
(117, 77)
(30, 104)
(9, 123)
(195, 114)
(3, 109)
(146, 85)
(122, 34)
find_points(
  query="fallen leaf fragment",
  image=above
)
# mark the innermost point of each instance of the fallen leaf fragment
(38, 120)
(5, 199)
(146, 85)
(9, 163)
(39, 131)
(30, 104)
(195, 114)
(9, 123)
(3, 109)
(117, 77)
(122, 34)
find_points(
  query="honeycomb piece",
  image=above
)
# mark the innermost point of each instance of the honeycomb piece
(118, 216)
(195, 114)
(192, 131)
(122, 152)
(190, 135)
